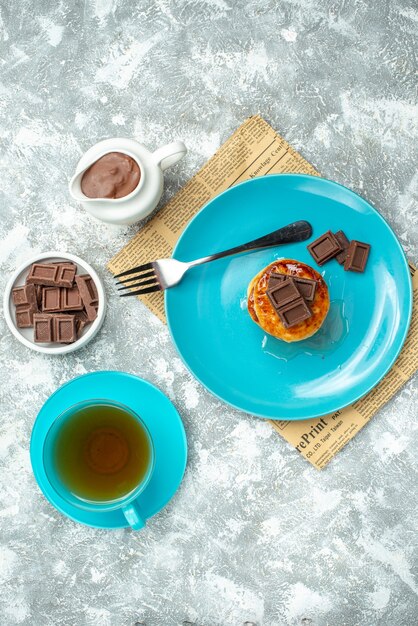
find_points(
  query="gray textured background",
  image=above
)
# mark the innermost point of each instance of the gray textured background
(254, 533)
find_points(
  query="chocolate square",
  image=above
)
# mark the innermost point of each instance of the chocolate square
(283, 293)
(324, 248)
(64, 328)
(306, 288)
(89, 296)
(25, 295)
(24, 316)
(51, 299)
(91, 288)
(81, 320)
(294, 312)
(357, 256)
(344, 243)
(66, 274)
(71, 299)
(275, 279)
(43, 328)
(42, 274)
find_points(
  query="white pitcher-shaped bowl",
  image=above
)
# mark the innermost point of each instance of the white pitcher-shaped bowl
(146, 195)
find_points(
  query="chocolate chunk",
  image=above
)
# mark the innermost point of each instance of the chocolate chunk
(89, 296)
(26, 305)
(52, 274)
(24, 316)
(64, 328)
(55, 299)
(66, 274)
(344, 243)
(81, 320)
(275, 279)
(71, 299)
(283, 293)
(43, 274)
(294, 312)
(39, 291)
(324, 248)
(58, 327)
(24, 296)
(51, 299)
(357, 256)
(43, 328)
(306, 288)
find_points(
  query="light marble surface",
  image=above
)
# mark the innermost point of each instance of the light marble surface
(254, 533)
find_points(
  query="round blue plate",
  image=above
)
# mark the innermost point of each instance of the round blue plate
(158, 413)
(229, 354)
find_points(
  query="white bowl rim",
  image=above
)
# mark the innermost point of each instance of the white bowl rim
(95, 326)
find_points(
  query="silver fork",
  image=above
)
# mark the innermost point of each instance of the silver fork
(166, 273)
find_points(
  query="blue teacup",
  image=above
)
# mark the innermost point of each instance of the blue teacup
(127, 502)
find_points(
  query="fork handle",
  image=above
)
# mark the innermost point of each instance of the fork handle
(292, 233)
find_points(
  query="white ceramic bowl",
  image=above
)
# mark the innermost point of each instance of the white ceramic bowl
(25, 335)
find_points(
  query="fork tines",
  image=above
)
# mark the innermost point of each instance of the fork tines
(148, 280)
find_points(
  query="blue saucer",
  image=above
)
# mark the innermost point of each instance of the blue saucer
(158, 413)
(366, 326)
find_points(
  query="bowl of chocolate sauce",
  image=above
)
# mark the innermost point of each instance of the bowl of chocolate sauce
(120, 181)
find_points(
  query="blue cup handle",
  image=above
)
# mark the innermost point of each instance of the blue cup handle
(133, 515)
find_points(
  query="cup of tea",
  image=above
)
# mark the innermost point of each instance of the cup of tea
(98, 455)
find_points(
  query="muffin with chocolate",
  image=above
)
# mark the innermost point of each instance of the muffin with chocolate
(288, 299)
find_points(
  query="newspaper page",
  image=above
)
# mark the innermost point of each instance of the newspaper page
(255, 149)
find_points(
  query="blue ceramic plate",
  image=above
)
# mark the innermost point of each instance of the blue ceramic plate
(229, 354)
(158, 413)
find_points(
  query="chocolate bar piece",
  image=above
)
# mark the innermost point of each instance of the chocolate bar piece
(39, 289)
(55, 299)
(26, 305)
(24, 296)
(71, 299)
(59, 328)
(51, 299)
(357, 256)
(81, 320)
(294, 312)
(43, 274)
(324, 248)
(52, 274)
(43, 328)
(64, 328)
(306, 288)
(283, 293)
(344, 243)
(89, 296)
(24, 316)
(66, 274)
(275, 279)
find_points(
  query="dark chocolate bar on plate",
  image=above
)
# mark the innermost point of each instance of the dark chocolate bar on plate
(324, 248)
(357, 255)
(283, 292)
(294, 312)
(344, 243)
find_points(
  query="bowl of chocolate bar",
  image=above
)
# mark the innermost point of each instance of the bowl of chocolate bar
(54, 303)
